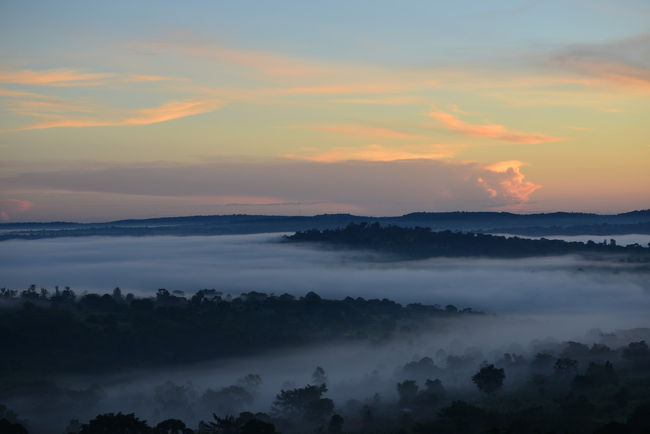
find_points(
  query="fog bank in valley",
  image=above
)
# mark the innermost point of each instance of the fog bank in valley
(531, 305)
(243, 263)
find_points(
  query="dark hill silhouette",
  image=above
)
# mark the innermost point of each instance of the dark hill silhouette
(556, 223)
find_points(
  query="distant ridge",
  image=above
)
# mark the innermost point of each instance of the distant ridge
(539, 224)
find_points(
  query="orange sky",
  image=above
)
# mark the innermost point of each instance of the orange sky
(517, 106)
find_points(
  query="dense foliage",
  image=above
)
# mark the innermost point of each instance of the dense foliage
(94, 333)
(422, 242)
(566, 388)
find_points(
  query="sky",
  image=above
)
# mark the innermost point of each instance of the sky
(157, 108)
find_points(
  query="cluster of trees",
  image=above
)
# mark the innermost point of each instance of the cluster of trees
(95, 332)
(422, 242)
(568, 387)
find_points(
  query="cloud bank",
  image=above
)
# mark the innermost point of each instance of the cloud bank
(280, 186)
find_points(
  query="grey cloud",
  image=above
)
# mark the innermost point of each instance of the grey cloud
(373, 187)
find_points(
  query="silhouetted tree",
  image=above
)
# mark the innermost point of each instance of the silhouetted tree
(638, 353)
(256, 426)
(565, 366)
(111, 423)
(489, 379)
(171, 426)
(335, 425)
(465, 417)
(7, 427)
(407, 391)
(304, 404)
(597, 375)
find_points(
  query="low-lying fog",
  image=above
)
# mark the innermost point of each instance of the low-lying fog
(529, 301)
(242, 263)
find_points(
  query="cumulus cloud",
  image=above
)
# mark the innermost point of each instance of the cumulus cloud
(505, 181)
(489, 131)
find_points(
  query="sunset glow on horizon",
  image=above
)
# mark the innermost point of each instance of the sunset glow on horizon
(133, 110)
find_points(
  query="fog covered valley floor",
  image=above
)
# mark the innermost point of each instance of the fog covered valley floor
(552, 324)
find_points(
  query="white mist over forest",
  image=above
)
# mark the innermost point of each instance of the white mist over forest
(531, 304)
(242, 263)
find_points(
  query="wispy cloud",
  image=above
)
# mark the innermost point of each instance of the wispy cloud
(39, 107)
(70, 78)
(62, 122)
(147, 116)
(172, 110)
(375, 152)
(351, 88)
(455, 109)
(490, 131)
(621, 64)
(10, 93)
(139, 78)
(52, 77)
(269, 63)
(405, 100)
(358, 130)
(607, 72)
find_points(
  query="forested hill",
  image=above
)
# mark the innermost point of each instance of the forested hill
(421, 242)
(487, 222)
(108, 332)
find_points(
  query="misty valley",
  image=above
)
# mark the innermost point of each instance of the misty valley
(361, 328)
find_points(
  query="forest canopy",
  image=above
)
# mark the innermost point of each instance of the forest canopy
(100, 332)
(423, 242)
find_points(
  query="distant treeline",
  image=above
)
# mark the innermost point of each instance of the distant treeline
(422, 242)
(95, 333)
(499, 222)
(601, 229)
